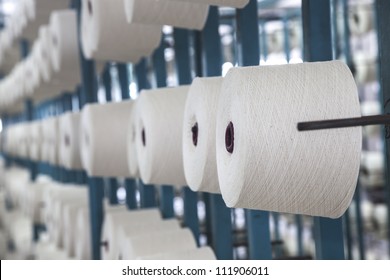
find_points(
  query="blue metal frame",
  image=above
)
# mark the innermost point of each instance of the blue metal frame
(217, 214)
(147, 192)
(383, 24)
(182, 55)
(95, 185)
(286, 35)
(348, 57)
(112, 186)
(183, 70)
(316, 15)
(130, 183)
(259, 239)
(277, 237)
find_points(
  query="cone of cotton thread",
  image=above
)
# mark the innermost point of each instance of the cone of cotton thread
(264, 162)
(159, 140)
(199, 127)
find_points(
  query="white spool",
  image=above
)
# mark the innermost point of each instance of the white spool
(31, 76)
(373, 162)
(43, 53)
(114, 219)
(3, 245)
(200, 117)
(159, 141)
(22, 144)
(49, 151)
(133, 229)
(275, 41)
(48, 251)
(66, 195)
(36, 201)
(103, 138)
(204, 253)
(71, 210)
(372, 169)
(83, 235)
(21, 233)
(264, 162)
(369, 108)
(106, 21)
(85, 30)
(64, 46)
(69, 148)
(380, 217)
(361, 19)
(48, 209)
(366, 68)
(157, 243)
(174, 13)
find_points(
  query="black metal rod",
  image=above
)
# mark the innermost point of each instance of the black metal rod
(341, 123)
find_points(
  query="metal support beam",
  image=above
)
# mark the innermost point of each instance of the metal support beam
(167, 194)
(383, 25)
(286, 34)
(112, 182)
(95, 185)
(360, 230)
(221, 220)
(317, 32)
(348, 234)
(147, 192)
(130, 183)
(221, 236)
(159, 65)
(182, 55)
(131, 192)
(299, 223)
(183, 70)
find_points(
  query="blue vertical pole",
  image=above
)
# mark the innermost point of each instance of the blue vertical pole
(147, 192)
(220, 215)
(348, 57)
(198, 53)
(317, 26)
(130, 183)
(65, 105)
(286, 34)
(383, 25)
(263, 40)
(159, 65)
(167, 193)
(112, 182)
(299, 223)
(95, 185)
(347, 226)
(183, 70)
(182, 55)
(259, 239)
(29, 111)
(278, 250)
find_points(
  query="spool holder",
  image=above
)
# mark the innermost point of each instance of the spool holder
(348, 122)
